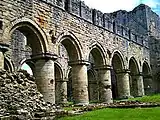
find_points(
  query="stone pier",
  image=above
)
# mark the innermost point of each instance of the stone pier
(80, 82)
(104, 79)
(123, 84)
(61, 91)
(140, 84)
(44, 75)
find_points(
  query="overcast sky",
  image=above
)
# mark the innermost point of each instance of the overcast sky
(107, 6)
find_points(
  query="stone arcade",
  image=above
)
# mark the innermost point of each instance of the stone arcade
(80, 54)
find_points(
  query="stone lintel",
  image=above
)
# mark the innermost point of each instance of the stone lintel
(122, 71)
(78, 62)
(103, 67)
(46, 56)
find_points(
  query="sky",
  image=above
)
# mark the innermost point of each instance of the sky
(107, 6)
(27, 68)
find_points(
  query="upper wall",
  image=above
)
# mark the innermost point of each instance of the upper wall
(88, 26)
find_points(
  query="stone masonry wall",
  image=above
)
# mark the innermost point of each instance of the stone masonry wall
(60, 18)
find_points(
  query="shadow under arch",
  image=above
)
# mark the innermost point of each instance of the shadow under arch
(147, 79)
(134, 76)
(117, 64)
(92, 86)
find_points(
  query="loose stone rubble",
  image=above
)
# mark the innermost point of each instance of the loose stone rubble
(20, 99)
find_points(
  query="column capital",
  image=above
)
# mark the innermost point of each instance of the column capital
(104, 67)
(78, 62)
(46, 55)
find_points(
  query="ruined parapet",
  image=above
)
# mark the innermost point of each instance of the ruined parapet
(108, 23)
(86, 12)
(73, 7)
(120, 22)
(59, 3)
(98, 17)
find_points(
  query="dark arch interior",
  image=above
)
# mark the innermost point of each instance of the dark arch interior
(115, 79)
(147, 79)
(33, 37)
(96, 60)
(71, 48)
(69, 87)
(92, 86)
(8, 65)
(26, 41)
(133, 67)
(58, 82)
(96, 57)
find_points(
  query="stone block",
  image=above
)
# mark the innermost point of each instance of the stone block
(74, 7)
(119, 29)
(98, 17)
(126, 32)
(86, 12)
(108, 24)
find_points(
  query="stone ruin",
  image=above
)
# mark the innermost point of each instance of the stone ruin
(20, 98)
(76, 53)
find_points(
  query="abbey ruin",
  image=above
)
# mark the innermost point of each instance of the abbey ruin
(80, 54)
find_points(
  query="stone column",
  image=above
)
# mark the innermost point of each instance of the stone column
(104, 79)
(93, 90)
(61, 91)
(123, 84)
(148, 84)
(1, 60)
(80, 82)
(44, 76)
(3, 49)
(140, 84)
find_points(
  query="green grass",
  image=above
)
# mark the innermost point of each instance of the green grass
(119, 114)
(152, 98)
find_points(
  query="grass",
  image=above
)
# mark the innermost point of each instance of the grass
(119, 114)
(123, 114)
(152, 98)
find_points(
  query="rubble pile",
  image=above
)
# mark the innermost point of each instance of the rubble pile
(20, 99)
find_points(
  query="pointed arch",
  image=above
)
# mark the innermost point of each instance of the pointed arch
(8, 64)
(32, 30)
(92, 86)
(146, 68)
(98, 53)
(133, 66)
(117, 63)
(71, 44)
(147, 78)
(58, 71)
(117, 60)
(134, 78)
